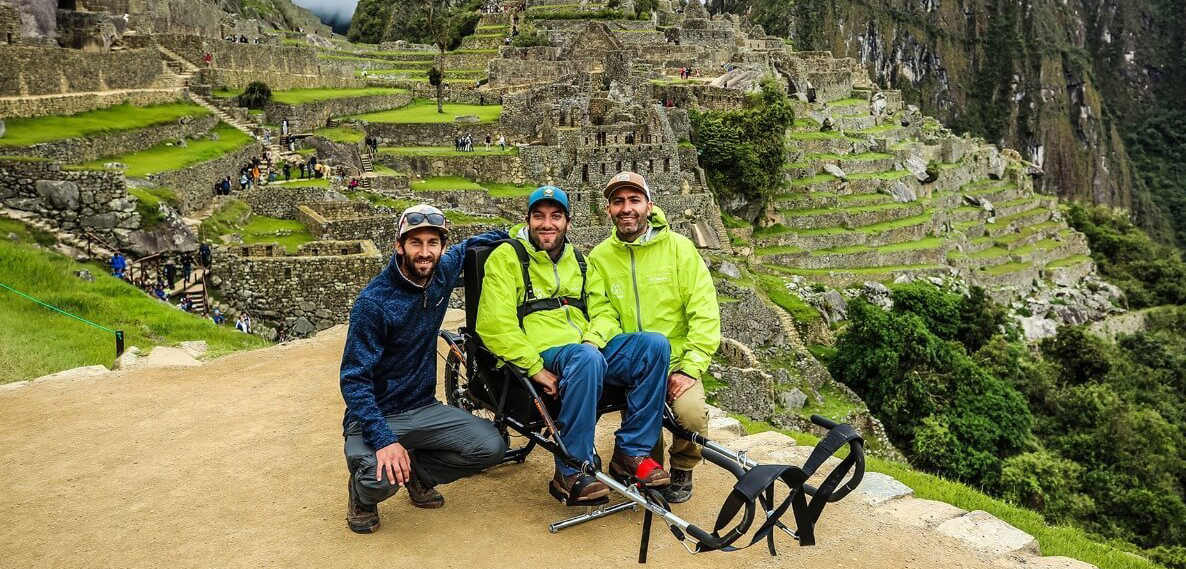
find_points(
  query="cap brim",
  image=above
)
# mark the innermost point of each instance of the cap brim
(610, 189)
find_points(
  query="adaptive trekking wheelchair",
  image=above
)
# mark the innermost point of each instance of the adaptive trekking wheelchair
(477, 382)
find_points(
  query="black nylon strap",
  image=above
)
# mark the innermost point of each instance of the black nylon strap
(530, 304)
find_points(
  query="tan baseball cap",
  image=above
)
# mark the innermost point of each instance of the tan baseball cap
(422, 215)
(627, 180)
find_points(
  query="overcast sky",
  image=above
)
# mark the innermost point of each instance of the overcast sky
(336, 13)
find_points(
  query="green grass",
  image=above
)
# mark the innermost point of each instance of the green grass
(446, 151)
(148, 204)
(1068, 261)
(847, 102)
(990, 253)
(298, 96)
(1054, 540)
(776, 289)
(1005, 268)
(815, 135)
(341, 134)
(462, 218)
(27, 131)
(288, 233)
(507, 190)
(849, 210)
(162, 158)
(26, 233)
(444, 183)
(35, 340)
(852, 270)
(422, 111)
(733, 222)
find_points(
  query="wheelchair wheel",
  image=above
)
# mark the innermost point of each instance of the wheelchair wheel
(457, 393)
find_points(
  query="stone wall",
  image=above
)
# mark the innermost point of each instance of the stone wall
(49, 71)
(344, 221)
(194, 185)
(234, 65)
(307, 292)
(747, 319)
(431, 134)
(281, 201)
(73, 200)
(69, 104)
(75, 150)
(308, 116)
(488, 168)
(336, 154)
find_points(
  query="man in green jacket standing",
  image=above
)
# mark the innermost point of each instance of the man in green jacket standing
(657, 282)
(540, 324)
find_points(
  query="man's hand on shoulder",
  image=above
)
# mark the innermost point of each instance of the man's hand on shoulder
(393, 459)
(549, 382)
(677, 383)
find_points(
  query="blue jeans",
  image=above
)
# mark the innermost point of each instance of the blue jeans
(637, 362)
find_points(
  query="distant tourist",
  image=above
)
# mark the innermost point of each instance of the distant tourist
(287, 170)
(244, 181)
(187, 267)
(353, 183)
(281, 334)
(502, 143)
(208, 59)
(487, 143)
(284, 127)
(217, 316)
(159, 291)
(118, 265)
(204, 256)
(302, 166)
(243, 324)
(186, 304)
(170, 271)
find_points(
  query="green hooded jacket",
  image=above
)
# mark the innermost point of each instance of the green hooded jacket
(503, 291)
(660, 284)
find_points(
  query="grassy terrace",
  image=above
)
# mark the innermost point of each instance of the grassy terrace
(165, 158)
(848, 210)
(236, 218)
(815, 135)
(298, 96)
(27, 131)
(847, 102)
(302, 182)
(35, 341)
(1068, 261)
(423, 111)
(854, 271)
(927, 243)
(1005, 268)
(446, 151)
(447, 183)
(341, 134)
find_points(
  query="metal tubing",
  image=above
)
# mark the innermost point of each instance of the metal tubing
(592, 513)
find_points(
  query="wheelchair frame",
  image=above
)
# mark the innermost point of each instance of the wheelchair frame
(517, 406)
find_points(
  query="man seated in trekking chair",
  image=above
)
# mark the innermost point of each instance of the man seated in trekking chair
(539, 324)
(643, 257)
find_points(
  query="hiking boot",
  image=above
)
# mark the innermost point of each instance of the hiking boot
(641, 468)
(422, 495)
(561, 485)
(680, 489)
(361, 518)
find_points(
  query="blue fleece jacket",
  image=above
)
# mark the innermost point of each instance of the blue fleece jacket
(390, 361)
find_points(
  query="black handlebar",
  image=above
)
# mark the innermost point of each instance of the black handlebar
(824, 422)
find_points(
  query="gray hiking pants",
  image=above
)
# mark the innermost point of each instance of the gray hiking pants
(445, 444)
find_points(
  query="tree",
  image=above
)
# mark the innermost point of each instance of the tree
(255, 96)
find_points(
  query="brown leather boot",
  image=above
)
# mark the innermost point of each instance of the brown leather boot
(423, 496)
(641, 468)
(561, 485)
(360, 517)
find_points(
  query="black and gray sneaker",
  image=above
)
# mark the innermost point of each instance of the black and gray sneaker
(680, 489)
(361, 518)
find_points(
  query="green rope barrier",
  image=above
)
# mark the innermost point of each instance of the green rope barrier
(52, 307)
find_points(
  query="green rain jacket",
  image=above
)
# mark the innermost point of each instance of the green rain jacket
(656, 284)
(503, 291)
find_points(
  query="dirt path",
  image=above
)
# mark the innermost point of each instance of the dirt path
(238, 463)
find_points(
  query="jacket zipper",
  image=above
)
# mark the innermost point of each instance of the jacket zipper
(637, 301)
(564, 307)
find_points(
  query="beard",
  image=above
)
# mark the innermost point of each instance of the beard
(630, 225)
(553, 244)
(414, 270)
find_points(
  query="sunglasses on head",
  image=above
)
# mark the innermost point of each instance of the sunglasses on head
(416, 218)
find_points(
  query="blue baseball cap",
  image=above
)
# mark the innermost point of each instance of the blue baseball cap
(548, 193)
